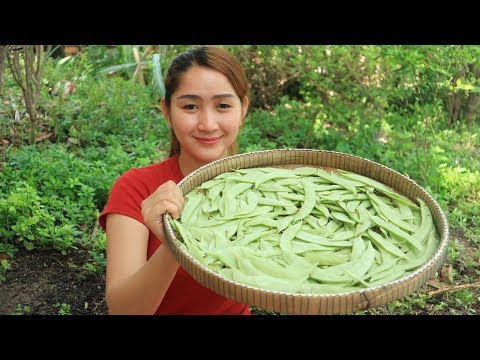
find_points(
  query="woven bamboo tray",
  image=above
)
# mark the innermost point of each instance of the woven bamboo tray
(303, 304)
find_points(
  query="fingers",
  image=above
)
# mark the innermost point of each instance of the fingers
(166, 198)
(165, 206)
(174, 194)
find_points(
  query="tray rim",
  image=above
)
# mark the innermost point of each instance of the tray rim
(212, 279)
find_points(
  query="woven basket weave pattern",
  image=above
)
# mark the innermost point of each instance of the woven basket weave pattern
(290, 303)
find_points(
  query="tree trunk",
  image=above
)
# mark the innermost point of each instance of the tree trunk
(454, 101)
(28, 74)
(30, 100)
(472, 108)
(3, 51)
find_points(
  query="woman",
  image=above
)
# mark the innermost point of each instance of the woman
(205, 103)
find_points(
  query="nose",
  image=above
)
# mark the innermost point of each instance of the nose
(207, 121)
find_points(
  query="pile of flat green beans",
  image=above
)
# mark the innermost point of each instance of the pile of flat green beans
(305, 230)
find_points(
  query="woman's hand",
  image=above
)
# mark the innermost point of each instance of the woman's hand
(167, 198)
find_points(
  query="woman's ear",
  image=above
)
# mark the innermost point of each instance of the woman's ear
(166, 112)
(245, 107)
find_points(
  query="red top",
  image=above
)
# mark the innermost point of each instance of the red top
(185, 295)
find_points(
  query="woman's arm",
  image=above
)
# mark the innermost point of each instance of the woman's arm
(133, 284)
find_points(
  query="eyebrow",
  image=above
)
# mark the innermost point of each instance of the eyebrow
(190, 96)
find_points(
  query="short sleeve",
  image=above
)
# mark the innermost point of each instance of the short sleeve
(125, 198)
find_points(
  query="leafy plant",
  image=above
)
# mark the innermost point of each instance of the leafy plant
(23, 310)
(4, 266)
(63, 309)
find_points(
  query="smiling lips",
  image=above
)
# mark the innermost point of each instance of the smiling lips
(208, 141)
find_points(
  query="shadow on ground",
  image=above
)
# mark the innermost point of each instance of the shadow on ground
(45, 282)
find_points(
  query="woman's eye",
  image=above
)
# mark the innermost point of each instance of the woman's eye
(224, 106)
(189, 107)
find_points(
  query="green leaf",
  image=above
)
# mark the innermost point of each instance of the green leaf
(464, 86)
(157, 74)
(120, 67)
(64, 60)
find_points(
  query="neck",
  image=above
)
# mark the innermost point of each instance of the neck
(188, 165)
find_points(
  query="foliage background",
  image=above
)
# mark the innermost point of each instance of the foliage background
(414, 109)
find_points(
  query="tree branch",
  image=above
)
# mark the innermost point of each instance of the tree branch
(454, 288)
(13, 62)
(139, 59)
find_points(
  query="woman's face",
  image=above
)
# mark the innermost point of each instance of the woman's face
(206, 115)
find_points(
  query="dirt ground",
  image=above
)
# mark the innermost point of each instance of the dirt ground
(45, 282)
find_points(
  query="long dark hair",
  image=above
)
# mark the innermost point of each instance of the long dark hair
(211, 57)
